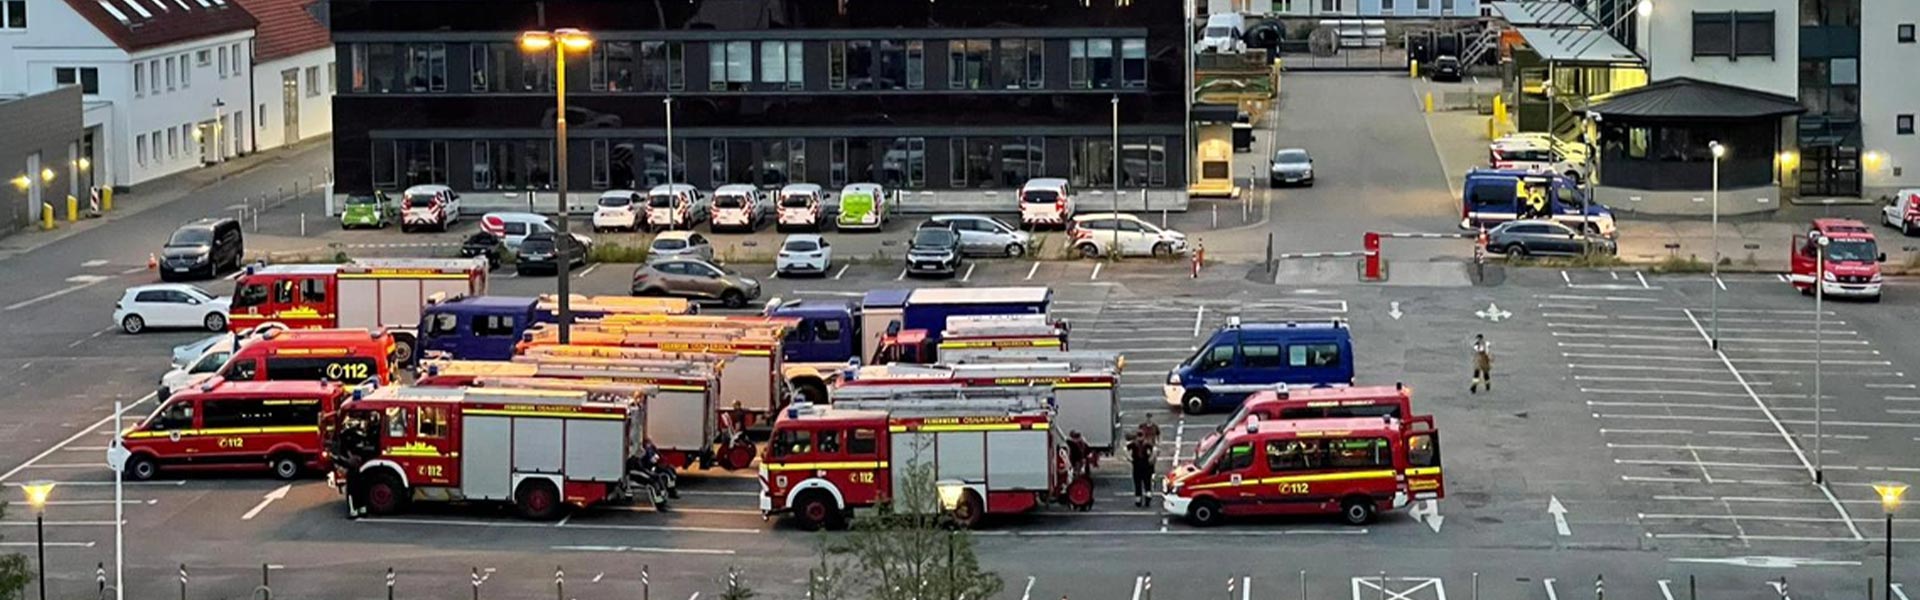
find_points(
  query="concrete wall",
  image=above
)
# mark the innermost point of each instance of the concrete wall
(315, 102)
(1888, 88)
(1692, 203)
(47, 124)
(1669, 45)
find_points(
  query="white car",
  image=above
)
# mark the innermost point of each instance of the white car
(617, 210)
(202, 367)
(737, 207)
(1539, 154)
(1093, 235)
(170, 305)
(804, 253)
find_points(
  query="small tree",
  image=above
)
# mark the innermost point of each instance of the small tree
(735, 590)
(908, 550)
(15, 572)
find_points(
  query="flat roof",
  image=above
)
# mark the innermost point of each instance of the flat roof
(1542, 14)
(1577, 45)
(983, 294)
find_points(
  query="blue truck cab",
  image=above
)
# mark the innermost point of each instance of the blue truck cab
(1490, 197)
(1240, 359)
(837, 331)
(477, 327)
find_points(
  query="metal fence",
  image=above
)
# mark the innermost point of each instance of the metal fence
(1302, 55)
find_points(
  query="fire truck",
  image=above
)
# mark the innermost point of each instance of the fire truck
(682, 419)
(541, 451)
(366, 293)
(1086, 393)
(989, 451)
(1353, 467)
(979, 333)
(750, 344)
(1839, 255)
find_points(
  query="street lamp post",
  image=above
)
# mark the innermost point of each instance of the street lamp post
(1819, 301)
(1114, 249)
(1719, 151)
(1890, 493)
(560, 40)
(669, 102)
(37, 493)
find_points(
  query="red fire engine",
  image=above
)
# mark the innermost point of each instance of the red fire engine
(539, 450)
(1354, 467)
(989, 452)
(366, 293)
(1321, 403)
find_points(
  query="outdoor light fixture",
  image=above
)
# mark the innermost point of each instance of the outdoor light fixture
(1645, 8)
(46, 175)
(1719, 151)
(37, 493)
(83, 163)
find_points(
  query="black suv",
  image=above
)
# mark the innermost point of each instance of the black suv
(202, 249)
(934, 250)
(537, 254)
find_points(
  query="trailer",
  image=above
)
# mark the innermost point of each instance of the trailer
(366, 293)
(540, 451)
(989, 451)
(1085, 392)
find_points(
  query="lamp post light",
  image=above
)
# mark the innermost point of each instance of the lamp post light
(1819, 301)
(560, 40)
(1890, 496)
(37, 493)
(1719, 152)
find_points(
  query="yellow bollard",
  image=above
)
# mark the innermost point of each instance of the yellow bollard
(73, 209)
(1413, 69)
(1429, 101)
(1490, 129)
(46, 216)
(106, 199)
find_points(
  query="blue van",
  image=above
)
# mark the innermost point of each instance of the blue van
(1240, 359)
(1490, 197)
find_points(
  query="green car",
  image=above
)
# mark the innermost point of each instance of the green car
(862, 206)
(367, 211)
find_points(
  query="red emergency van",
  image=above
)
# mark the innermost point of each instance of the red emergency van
(235, 425)
(349, 356)
(1354, 467)
(1316, 403)
(1851, 263)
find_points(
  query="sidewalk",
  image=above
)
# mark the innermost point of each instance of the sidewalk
(157, 193)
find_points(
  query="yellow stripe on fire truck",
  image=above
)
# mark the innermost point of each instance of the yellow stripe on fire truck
(1377, 474)
(223, 431)
(828, 466)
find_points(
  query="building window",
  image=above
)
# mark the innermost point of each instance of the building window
(331, 77)
(512, 164)
(140, 148)
(1011, 68)
(313, 80)
(1903, 124)
(729, 65)
(967, 64)
(223, 62)
(837, 162)
(836, 65)
(1077, 76)
(1904, 33)
(1143, 162)
(717, 162)
(1133, 62)
(980, 155)
(500, 67)
(916, 65)
(13, 14)
(395, 68)
(88, 78)
(357, 61)
(783, 63)
(237, 58)
(1386, 6)
(1100, 62)
(905, 163)
(186, 73)
(601, 169)
(611, 67)
(139, 79)
(173, 143)
(1733, 34)
(203, 58)
(170, 72)
(1091, 162)
(616, 65)
(399, 164)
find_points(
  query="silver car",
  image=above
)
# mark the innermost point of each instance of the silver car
(1291, 166)
(682, 243)
(987, 236)
(1539, 236)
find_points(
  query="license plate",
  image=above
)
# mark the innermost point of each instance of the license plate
(179, 269)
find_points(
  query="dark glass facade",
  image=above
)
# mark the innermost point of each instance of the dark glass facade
(922, 95)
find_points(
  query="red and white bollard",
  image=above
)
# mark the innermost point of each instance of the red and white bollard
(1372, 271)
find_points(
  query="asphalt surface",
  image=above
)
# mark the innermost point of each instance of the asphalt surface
(1677, 465)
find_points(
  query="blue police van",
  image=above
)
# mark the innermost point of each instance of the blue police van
(1242, 358)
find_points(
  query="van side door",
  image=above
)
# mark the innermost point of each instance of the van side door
(1315, 361)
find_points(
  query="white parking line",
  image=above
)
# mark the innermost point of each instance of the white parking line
(1889, 386)
(1198, 313)
(842, 271)
(1643, 280)
(1565, 278)
(589, 269)
(969, 275)
(1096, 272)
(1031, 270)
(1674, 517)
(644, 549)
(1806, 422)
(901, 276)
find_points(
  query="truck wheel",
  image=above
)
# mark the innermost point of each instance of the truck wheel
(1357, 510)
(141, 467)
(1195, 403)
(816, 511)
(967, 514)
(1205, 512)
(812, 391)
(286, 466)
(402, 350)
(537, 500)
(386, 495)
(1080, 494)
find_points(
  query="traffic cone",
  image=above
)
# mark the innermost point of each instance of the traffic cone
(153, 262)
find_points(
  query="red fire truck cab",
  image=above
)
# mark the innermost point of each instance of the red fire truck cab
(1354, 467)
(539, 450)
(354, 357)
(369, 293)
(1849, 265)
(235, 425)
(824, 462)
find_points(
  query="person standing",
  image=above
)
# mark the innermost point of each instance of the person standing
(1140, 451)
(1482, 364)
(1151, 431)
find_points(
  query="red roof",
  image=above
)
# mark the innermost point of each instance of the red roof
(286, 28)
(136, 25)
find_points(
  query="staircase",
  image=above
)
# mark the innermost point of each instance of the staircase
(1478, 48)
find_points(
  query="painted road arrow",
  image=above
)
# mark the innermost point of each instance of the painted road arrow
(1493, 313)
(276, 494)
(1394, 310)
(1559, 512)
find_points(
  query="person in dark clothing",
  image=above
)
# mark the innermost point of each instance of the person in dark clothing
(1078, 452)
(1140, 451)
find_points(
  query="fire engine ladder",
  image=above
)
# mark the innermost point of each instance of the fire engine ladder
(590, 366)
(649, 356)
(1076, 360)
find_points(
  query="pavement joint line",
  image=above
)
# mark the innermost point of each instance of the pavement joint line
(1643, 479)
(591, 526)
(1831, 436)
(1829, 423)
(646, 550)
(1612, 327)
(1603, 298)
(1694, 448)
(1791, 442)
(1174, 532)
(1657, 380)
(1757, 500)
(75, 437)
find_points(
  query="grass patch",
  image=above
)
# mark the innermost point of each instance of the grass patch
(617, 253)
(1678, 264)
(1585, 261)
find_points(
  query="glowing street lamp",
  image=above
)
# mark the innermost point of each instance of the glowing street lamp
(561, 41)
(1719, 152)
(37, 493)
(1890, 493)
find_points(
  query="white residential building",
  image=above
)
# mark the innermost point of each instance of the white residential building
(1889, 95)
(293, 73)
(1746, 43)
(165, 81)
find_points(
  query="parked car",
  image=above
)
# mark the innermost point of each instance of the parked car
(695, 279)
(675, 244)
(804, 253)
(203, 249)
(1046, 201)
(538, 255)
(367, 210)
(802, 206)
(985, 236)
(170, 305)
(934, 249)
(1092, 235)
(617, 210)
(1291, 165)
(483, 245)
(865, 206)
(185, 354)
(737, 207)
(200, 367)
(1538, 236)
(435, 207)
(513, 227)
(677, 206)
(1902, 212)
(1446, 68)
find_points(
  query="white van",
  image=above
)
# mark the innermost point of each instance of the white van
(617, 209)
(737, 207)
(675, 206)
(429, 207)
(1047, 202)
(802, 206)
(1223, 34)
